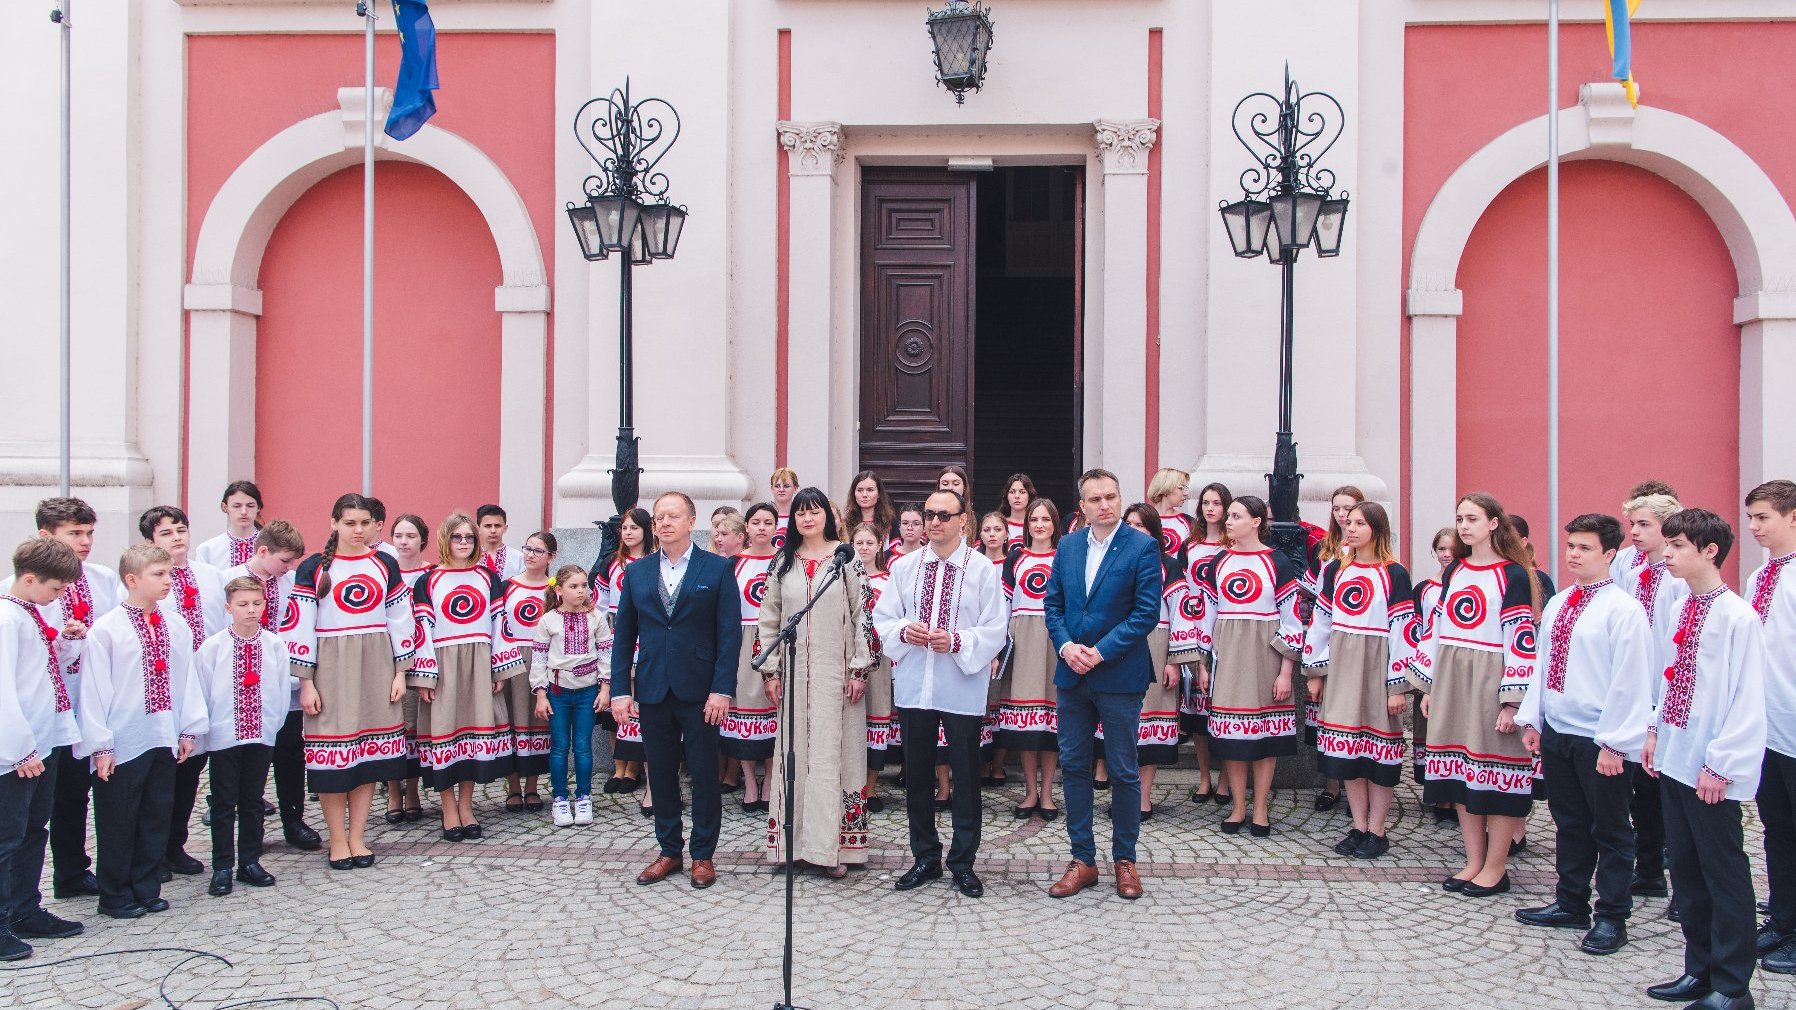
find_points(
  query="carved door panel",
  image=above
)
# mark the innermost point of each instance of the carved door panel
(917, 267)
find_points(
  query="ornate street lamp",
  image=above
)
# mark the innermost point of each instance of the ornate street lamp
(962, 36)
(626, 210)
(1287, 204)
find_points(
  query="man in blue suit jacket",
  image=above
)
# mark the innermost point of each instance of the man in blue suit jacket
(1103, 598)
(683, 606)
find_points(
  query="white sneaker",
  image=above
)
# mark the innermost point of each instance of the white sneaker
(563, 816)
(582, 810)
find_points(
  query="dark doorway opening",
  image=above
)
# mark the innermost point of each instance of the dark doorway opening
(1026, 376)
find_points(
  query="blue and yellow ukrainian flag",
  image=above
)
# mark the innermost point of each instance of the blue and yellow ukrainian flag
(1617, 19)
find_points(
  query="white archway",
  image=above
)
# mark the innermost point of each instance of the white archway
(1752, 216)
(223, 302)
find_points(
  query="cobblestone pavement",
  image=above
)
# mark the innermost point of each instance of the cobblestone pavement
(535, 916)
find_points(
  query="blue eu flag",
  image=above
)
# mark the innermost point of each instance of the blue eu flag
(413, 102)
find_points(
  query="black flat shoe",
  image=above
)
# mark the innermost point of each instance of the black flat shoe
(342, 864)
(454, 834)
(131, 910)
(993, 781)
(944, 804)
(221, 884)
(649, 812)
(156, 905)
(362, 862)
(1101, 785)
(614, 784)
(1446, 815)
(1553, 916)
(1770, 937)
(1259, 830)
(1148, 814)
(728, 787)
(1606, 937)
(1672, 913)
(1347, 845)
(1683, 989)
(471, 832)
(395, 816)
(1232, 827)
(12, 948)
(968, 883)
(1048, 813)
(1649, 888)
(1517, 847)
(919, 874)
(625, 784)
(1454, 884)
(1326, 800)
(1024, 811)
(184, 864)
(164, 874)
(1372, 846)
(514, 803)
(533, 802)
(1203, 797)
(253, 875)
(1716, 1001)
(86, 885)
(414, 814)
(1223, 799)
(1472, 890)
(875, 805)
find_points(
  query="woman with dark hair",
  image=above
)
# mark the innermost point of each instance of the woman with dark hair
(1428, 593)
(748, 730)
(607, 580)
(1207, 539)
(1250, 638)
(827, 728)
(1026, 714)
(1172, 644)
(1019, 491)
(1341, 501)
(524, 607)
(955, 479)
(410, 537)
(869, 503)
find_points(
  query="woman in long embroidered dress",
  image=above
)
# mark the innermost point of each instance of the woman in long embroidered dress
(827, 725)
(1207, 539)
(882, 728)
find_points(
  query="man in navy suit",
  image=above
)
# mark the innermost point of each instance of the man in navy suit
(684, 607)
(1103, 598)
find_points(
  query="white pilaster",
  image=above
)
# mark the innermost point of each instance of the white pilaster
(814, 155)
(1767, 412)
(221, 424)
(1433, 419)
(1116, 358)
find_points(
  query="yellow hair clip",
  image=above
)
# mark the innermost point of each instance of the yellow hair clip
(551, 582)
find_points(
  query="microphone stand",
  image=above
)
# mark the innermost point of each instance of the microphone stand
(788, 639)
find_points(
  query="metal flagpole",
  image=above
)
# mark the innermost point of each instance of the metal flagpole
(367, 13)
(1551, 532)
(63, 464)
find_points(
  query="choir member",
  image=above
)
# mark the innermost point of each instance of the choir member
(607, 578)
(1168, 492)
(1428, 594)
(241, 504)
(524, 607)
(571, 685)
(1340, 502)
(1171, 645)
(747, 733)
(1026, 713)
(1771, 515)
(1206, 539)
(1019, 491)
(410, 538)
(869, 549)
(783, 484)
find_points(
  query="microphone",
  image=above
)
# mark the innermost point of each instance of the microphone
(844, 554)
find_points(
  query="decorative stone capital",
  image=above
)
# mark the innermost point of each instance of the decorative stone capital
(816, 148)
(353, 108)
(1609, 114)
(1123, 144)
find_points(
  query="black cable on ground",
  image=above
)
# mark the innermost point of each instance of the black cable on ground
(162, 984)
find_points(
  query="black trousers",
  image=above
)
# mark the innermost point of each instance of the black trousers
(239, 775)
(131, 827)
(68, 816)
(1647, 811)
(289, 766)
(187, 791)
(1714, 887)
(1590, 812)
(24, 830)
(918, 726)
(1777, 812)
(672, 729)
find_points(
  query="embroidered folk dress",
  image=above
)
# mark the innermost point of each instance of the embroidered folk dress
(826, 732)
(463, 733)
(1194, 702)
(524, 607)
(1360, 638)
(1247, 627)
(1173, 641)
(1027, 719)
(748, 730)
(882, 729)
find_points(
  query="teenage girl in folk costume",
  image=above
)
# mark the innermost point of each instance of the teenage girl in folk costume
(1172, 645)
(784, 486)
(881, 727)
(1205, 541)
(1251, 638)
(570, 686)
(524, 607)
(1358, 645)
(607, 580)
(1027, 720)
(910, 533)
(464, 660)
(1472, 669)
(351, 648)
(409, 536)
(1019, 491)
(1428, 593)
(993, 534)
(1340, 502)
(1168, 492)
(748, 730)
(870, 503)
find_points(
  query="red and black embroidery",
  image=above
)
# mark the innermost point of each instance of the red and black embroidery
(1559, 641)
(48, 634)
(1646, 589)
(152, 638)
(1766, 589)
(271, 600)
(78, 600)
(1681, 674)
(246, 678)
(187, 600)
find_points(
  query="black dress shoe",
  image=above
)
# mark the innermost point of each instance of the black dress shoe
(164, 874)
(925, 870)
(184, 864)
(455, 834)
(614, 784)
(1326, 800)
(1649, 887)
(361, 862)
(1024, 812)
(1716, 1001)
(1345, 846)
(1259, 830)
(967, 882)
(1472, 890)
(473, 831)
(300, 836)
(130, 910)
(1446, 815)
(1372, 846)
(1672, 913)
(1231, 827)
(221, 883)
(1781, 961)
(1518, 846)
(1606, 937)
(875, 805)
(1454, 884)
(1682, 989)
(86, 885)
(41, 925)
(1101, 785)
(1772, 937)
(1048, 813)
(342, 864)
(156, 905)
(1554, 916)
(253, 875)
(12, 948)
(1148, 814)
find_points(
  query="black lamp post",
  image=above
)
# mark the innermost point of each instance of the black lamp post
(1287, 203)
(626, 211)
(961, 34)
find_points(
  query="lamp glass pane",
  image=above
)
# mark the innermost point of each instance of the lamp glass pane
(654, 229)
(676, 223)
(957, 54)
(1331, 224)
(609, 212)
(586, 230)
(639, 248)
(1259, 225)
(1308, 205)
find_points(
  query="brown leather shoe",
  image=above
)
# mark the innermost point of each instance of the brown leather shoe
(1077, 877)
(659, 869)
(704, 873)
(1128, 882)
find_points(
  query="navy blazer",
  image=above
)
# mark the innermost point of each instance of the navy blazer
(1123, 606)
(689, 655)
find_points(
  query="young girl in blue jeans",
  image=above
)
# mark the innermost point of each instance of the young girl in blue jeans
(570, 687)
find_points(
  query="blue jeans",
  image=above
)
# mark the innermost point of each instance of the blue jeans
(1081, 710)
(570, 724)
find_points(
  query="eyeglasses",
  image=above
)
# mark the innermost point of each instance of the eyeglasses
(461, 538)
(534, 551)
(931, 515)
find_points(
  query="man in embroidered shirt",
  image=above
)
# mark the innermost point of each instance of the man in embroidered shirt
(1585, 714)
(942, 619)
(1650, 582)
(1771, 515)
(1706, 746)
